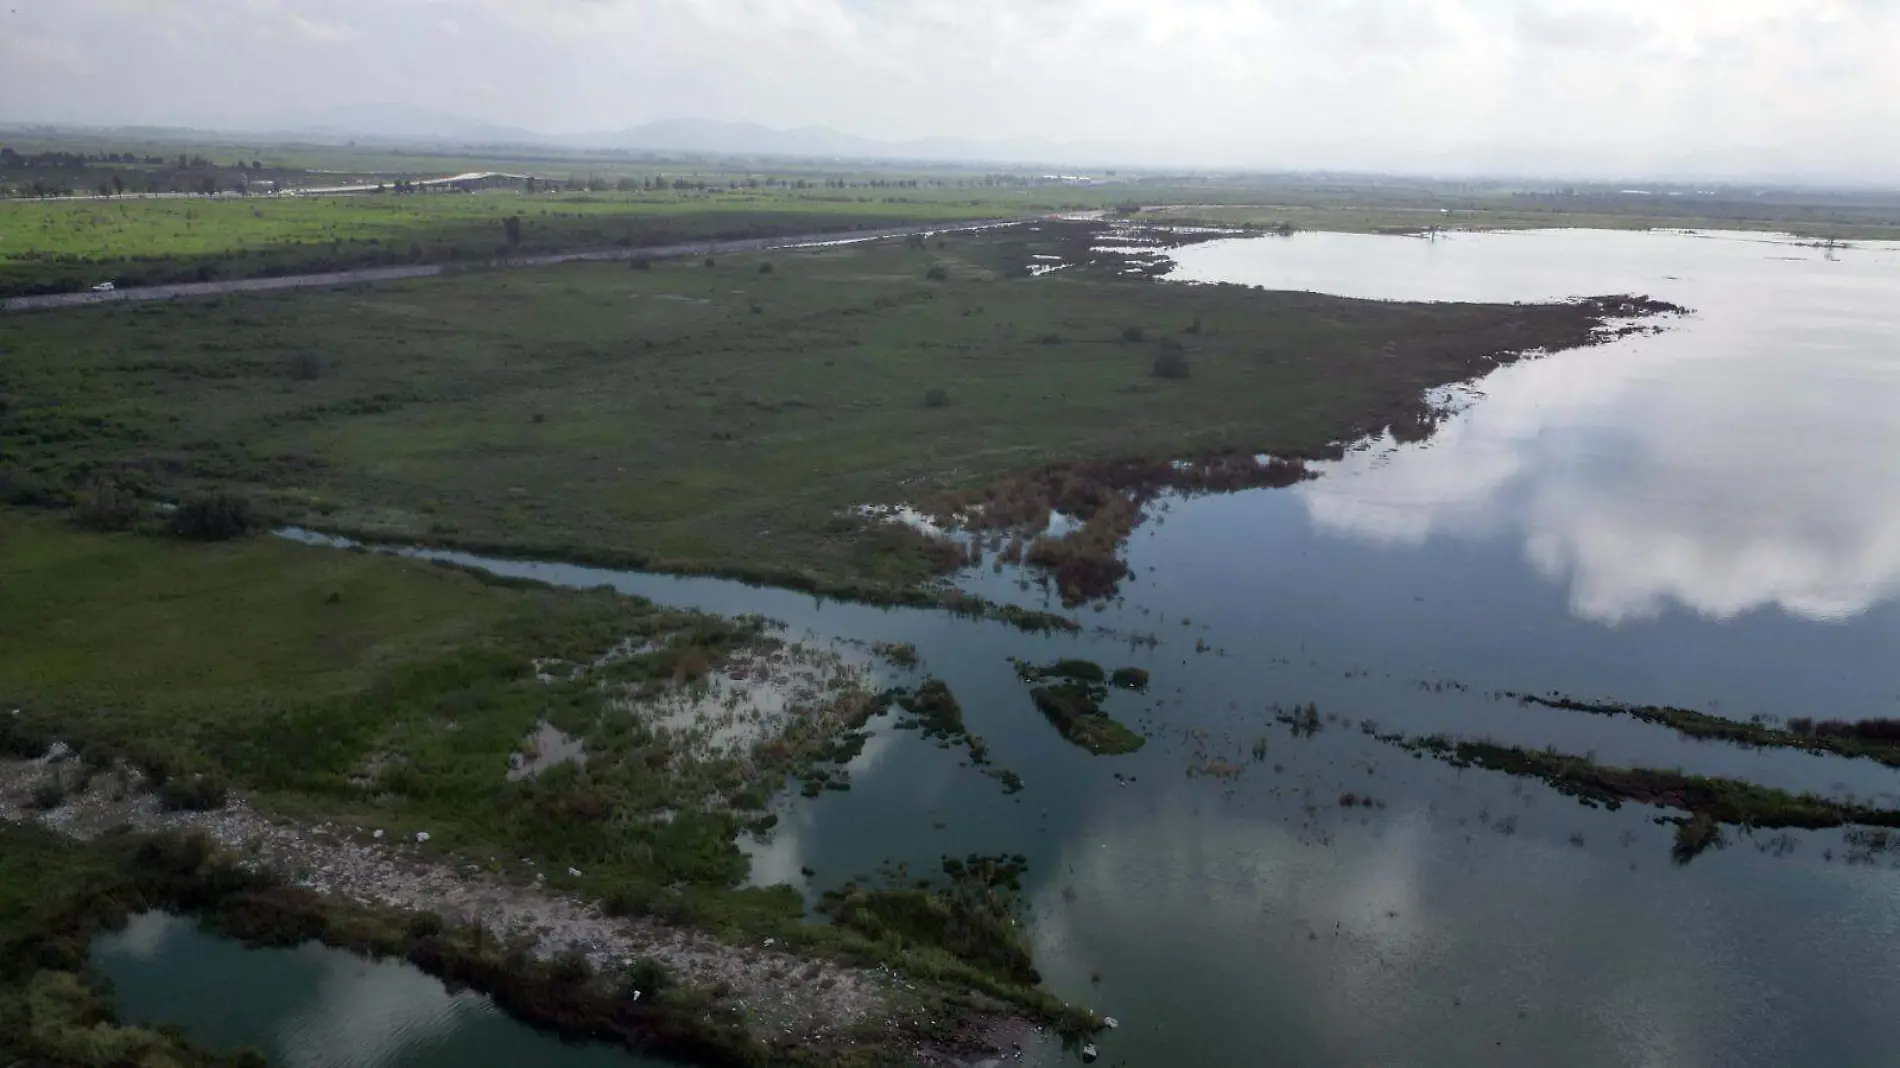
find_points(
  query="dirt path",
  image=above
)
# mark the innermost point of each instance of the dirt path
(54, 301)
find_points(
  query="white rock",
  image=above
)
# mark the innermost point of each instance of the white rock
(770, 942)
(1089, 1053)
(378, 836)
(575, 872)
(1110, 1022)
(422, 836)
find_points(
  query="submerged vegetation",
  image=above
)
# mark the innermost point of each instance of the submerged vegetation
(1719, 800)
(1869, 739)
(1070, 694)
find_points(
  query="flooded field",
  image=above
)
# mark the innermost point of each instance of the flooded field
(1704, 517)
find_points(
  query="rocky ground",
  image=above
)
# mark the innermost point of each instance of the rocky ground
(782, 995)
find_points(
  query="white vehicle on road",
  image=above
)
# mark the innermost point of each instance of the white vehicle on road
(104, 287)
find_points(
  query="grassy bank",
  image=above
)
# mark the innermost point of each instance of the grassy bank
(723, 418)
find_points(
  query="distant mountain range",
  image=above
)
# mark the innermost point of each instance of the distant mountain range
(402, 122)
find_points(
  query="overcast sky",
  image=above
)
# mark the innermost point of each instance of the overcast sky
(1626, 87)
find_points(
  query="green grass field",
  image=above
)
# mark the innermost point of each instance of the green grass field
(722, 418)
(69, 245)
(287, 670)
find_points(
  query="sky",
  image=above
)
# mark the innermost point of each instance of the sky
(1608, 88)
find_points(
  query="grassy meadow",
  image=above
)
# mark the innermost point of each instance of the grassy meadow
(720, 417)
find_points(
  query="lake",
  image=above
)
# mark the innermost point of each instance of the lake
(1709, 517)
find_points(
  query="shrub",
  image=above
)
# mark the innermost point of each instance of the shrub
(200, 793)
(214, 517)
(938, 273)
(106, 504)
(640, 264)
(1171, 363)
(936, 398)
(766, 267)
(1133, 333)
(49, 794)
(306, 367)
(710, 262)
(25, 488)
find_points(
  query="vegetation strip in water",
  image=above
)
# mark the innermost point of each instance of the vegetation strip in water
(1721, 800)
(1070, 694)
(1869, 739)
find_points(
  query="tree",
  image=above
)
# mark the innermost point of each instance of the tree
(532, 184)
(118, 184)
(209, 186)
(512, 226)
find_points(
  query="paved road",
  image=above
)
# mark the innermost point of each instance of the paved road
(391, 274)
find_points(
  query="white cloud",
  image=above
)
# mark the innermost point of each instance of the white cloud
(1466, 84)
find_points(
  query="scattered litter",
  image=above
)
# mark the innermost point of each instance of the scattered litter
(378, 835)
(1089, 1054)
(422, 836)
(770, 942)
(1110, 1022)
(575, 872)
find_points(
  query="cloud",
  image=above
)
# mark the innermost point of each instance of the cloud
(1542, 85)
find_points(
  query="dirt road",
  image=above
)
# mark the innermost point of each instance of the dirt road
(390, 274)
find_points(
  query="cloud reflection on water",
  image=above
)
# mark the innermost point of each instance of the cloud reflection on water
(1746, 459)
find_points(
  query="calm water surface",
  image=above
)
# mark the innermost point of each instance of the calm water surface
(1710, 517)
(315, 1007)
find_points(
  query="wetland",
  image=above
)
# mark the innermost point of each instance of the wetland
(1361, 516)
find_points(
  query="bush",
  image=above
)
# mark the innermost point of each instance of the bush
(49, 794)
(938, 273)
(1133, 333)
(106, 505)
(1171, 363)
(425, 925)
(306, 367)
(710, 262)
(25, 488)
(214, 517)
(766, 267)
(640, 264)
(200, 793)
(936, 398)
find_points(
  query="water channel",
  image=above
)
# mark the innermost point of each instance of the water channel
(1709, 517)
